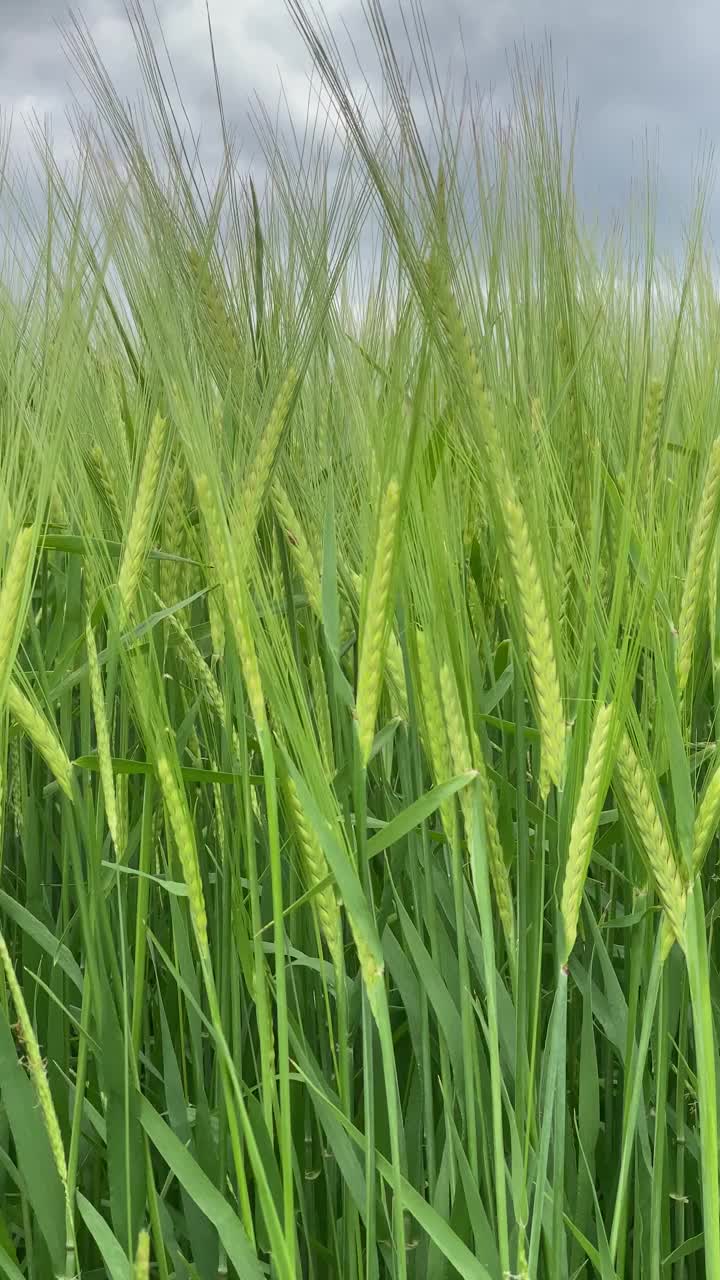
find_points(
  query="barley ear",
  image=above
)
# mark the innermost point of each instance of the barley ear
(649, 433)
(196, 664)
(454, 721)
(141, 1270)
(316, 871)
(706, 823)
(540, 645)
(42, 735)
(499, 875)
(395, 669)
(659, 855)
(236, 599)
(584, 825)
(104, 482)
(184, 835)
(300, 549)
(11, 595)
(470, 372)
(372, 970)
(436, 739)
(173, 534)
(36, 1066)
(102, 734)
(217, 621)
(259, 474)
(700, 549)
(373, 641)
(139, 532)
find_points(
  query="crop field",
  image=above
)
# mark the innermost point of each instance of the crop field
(359, 675)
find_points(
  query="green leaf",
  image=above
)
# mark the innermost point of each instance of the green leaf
(439, 1231)
(111, 1251)
(32, 1145)
(43, 937)
(134, 767)
(707, 1073)
(416, 813)
(341, 867)
(73, 544)
(679, 764)
(176, 887)
(200, 1188)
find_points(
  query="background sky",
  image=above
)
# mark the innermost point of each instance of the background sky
(639, 70)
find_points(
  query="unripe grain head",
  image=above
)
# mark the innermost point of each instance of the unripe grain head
(138, 538)
(539, 640)
(42, 735)
(374, 634)
(584, 826)
(35, 1065)
(658, 853)
(11, 598)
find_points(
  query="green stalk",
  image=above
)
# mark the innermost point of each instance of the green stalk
(281, 1006)
(481, 882)
(706, 1055)
(141, 914)
(658, 1229)
(634, 1090)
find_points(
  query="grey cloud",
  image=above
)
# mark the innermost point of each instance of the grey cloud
(637, 67)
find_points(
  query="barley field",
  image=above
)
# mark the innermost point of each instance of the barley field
(359, 674)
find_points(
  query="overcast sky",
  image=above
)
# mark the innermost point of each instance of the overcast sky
(638, 68)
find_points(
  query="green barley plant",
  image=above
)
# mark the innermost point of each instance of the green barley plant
(359, 696)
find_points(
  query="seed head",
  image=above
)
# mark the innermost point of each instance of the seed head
(374, 635)
(584, 825)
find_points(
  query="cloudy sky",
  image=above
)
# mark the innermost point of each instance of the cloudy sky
(639, 69)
